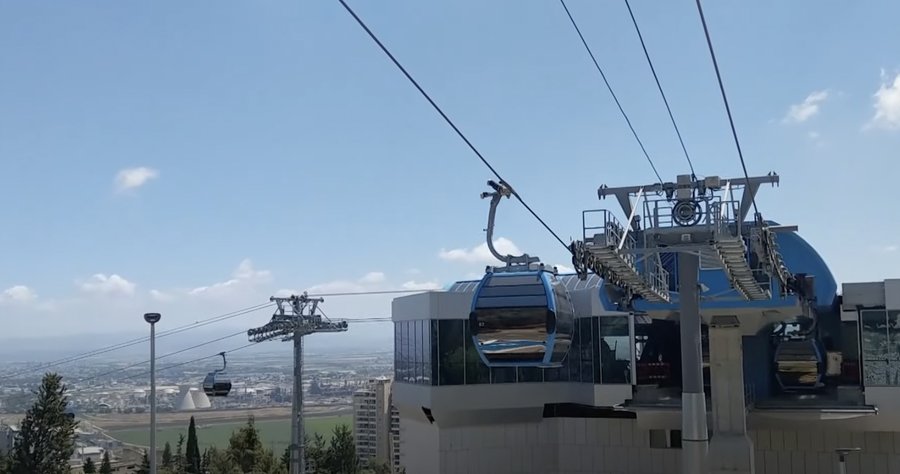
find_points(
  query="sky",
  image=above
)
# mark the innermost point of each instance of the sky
(194, 158)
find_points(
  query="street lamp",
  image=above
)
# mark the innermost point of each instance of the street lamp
(152, 318)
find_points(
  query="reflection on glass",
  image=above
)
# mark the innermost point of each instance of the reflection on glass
(615, 350)
(397, 370)
(513, 334)
(435, 356)
(451, 352)
(585, 345)
(476, 371)
(503, 375)
(530, 374)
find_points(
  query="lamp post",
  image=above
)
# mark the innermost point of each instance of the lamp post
(152, 318)
(842, 457)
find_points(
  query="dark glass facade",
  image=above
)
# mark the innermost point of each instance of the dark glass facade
(441, 352)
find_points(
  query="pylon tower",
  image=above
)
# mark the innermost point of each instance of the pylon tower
(295, 317)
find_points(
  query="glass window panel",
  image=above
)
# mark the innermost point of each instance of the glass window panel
(416, 336)
(401, 336)
(595, 350)
(615, 350)
(503, 375)
(874, 334)
(476, 372)
(573, 358)
(530, 374)
(586, 344)
(876, 373)
(433, 361)
(450, 349)
(397, 351)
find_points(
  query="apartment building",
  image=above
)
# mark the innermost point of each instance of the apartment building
(376, 424)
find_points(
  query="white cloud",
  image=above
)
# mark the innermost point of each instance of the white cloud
(805, 110)
(425, 285)
(560, 268)
(480, 253)
(18, 294)
(243, 275)
(372, 277)
(813, 135)
(133, 178)
(107, 285)
(161, 296)
(887, 104)
(891, 248)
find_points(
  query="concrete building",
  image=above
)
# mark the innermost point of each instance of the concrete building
(376, 428)
(561, 374)
(8, 435)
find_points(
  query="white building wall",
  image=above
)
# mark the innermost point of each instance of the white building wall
(620, 446)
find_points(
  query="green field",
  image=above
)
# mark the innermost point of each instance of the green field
(275, 434)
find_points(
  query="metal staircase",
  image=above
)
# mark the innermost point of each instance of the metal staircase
(610, 254)
(733, 253)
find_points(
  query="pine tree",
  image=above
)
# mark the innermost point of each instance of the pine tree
(244, 447)
(145, 465)
(47, 437)
(167, 456)
(205, 461)
(89, 467)
(315, 453)
(105, 466)
(341, 455)
(192, 456)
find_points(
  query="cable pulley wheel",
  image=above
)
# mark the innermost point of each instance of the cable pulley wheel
(687, 213)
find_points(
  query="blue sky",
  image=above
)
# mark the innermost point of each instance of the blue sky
(270, 145)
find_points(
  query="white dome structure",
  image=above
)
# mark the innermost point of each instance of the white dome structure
(190, 398)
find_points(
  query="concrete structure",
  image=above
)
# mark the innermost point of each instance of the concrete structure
(8, 435)
(457, 415)
(376, 429)
(701, 343)
(191, 398)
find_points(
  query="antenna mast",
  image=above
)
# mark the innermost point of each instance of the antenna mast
(294, 318)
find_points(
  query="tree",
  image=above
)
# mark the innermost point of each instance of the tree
(192, 456)
(315, 453)
(245, 447)
(47, 437)
(219, 463)
(89, 467)
(167, 456)
(145, 465)
(105, 466)
(205, 461)
(341, 455)
(179, 454)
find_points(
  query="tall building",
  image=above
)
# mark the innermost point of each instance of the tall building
(376, 428)
(783, 393)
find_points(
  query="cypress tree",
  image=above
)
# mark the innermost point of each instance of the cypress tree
(192, 457)
(89, 467)
(167, 456)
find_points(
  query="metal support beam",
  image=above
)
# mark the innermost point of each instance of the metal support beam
(298, 463)
(694, 434)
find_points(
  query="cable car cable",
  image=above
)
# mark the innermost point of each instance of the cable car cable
(609, 87)
(180, 351)
(137, 341)
(194, 325)
(450, 122)
(734, 134)
(659, 86)
(180, 364)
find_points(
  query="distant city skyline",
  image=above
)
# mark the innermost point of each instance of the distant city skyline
(195, 159)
